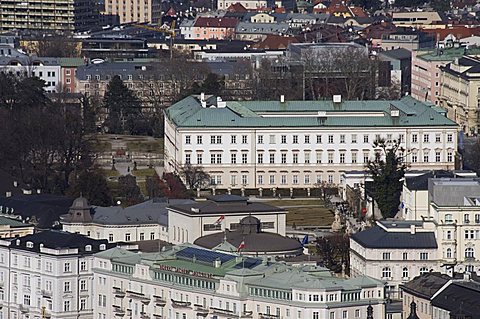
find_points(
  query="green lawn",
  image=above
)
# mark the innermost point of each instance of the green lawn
(290, 202)
(149, 146)
(309, 216)
(101, 146)
(144, 172)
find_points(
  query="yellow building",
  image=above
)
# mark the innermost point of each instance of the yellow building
(10, 228)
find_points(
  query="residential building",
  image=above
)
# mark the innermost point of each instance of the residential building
(131, 11)
(41, 210)
(187, 282)
(460, 92)
(46, 69)
(187, 222)
(434, 295)
(247, 4)
(219, 28)
(417, 19)
(48, 274)
(12, 227)
(406, 38)
(455, 207)
(395, 252)
(396, 69)
(249, 31)
(144, 221)
(426, 71)
(297, 144)
(68, 72)
(414, 199)
(50, 15)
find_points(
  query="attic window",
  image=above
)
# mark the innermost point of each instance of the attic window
(29, 244)
(102, 247)
(88, 248)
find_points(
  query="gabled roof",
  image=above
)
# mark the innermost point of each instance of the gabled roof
(426, 285)
(376, 237)
(459, 299)
(237, 7)
(212, 22)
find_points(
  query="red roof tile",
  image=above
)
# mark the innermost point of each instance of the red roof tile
(237, 7)
(211, 22)
(459, 32)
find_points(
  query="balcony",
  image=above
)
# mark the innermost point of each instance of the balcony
(247, 314)
(180, 304)
(159, 301)
(268, 316)
(46, 294)
(222, 312)
(139, 295)
(24, 309)
(201, 310)
(118, 311)
(144, 315)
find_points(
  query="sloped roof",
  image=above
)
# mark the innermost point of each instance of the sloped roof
(426, 285)
(421, 182)
(459, 299)
(212, 22)
(376, 237)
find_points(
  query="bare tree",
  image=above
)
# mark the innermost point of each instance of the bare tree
(194, 176)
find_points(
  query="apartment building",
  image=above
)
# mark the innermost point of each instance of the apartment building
(297, 144)
(191, 282)
(426, 81)
(68, 72)
(49, 15)
(131, 11)
(48, 275)
(395, 252)
(46, 69)
(423, 19)
(460, 92)
(144, 221)
(214, 28)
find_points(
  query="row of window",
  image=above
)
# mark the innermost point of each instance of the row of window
(422, 256)
(466, 218)
(343, 157)
(387, 272)
(48, 264)
(272, 180)
(469, 253)
(330, 139)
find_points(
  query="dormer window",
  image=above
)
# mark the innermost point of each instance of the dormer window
(88, 248)
(102, 247)
(29, 244)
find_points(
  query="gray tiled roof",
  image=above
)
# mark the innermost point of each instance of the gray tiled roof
(376, 237)
(150, 212)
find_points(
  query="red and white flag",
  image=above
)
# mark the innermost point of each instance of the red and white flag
(219, 220)
(241, 246)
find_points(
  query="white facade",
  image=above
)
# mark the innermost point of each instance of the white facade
(186, 228)
(30, 67)
(247, 4)
(300, 157)
(390, 264)
(49, 283)
(176, 288)
(115, 233)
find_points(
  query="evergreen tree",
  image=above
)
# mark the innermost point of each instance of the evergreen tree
(129, 190)
(124, 108)
(387, 170)
(92, 185)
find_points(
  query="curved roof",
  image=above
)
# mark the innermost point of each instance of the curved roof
(262, 242)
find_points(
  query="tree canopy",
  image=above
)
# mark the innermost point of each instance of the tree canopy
(387, 170)
(123, 108)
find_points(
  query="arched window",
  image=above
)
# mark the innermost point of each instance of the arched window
(449, 253)
(405, 272)
(469, 253)
(423, 270)
(386, 272)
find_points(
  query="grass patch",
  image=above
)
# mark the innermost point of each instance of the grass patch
(155, 146)
(101, 146)
(310, 216)
(110, 173)
(289, 202)
(144, 172)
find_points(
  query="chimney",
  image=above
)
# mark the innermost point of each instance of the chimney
(466, 276)
(8, 194)
(412, 229)
(217, 263)
(202, 97)
(282, 98)
(38, 191)
(15, 184)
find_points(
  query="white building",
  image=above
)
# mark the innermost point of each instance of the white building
(272, 144)
(144, 221)
(46, 69)
(394, 251)
(48, 275)
(187, 222)
(190, 282)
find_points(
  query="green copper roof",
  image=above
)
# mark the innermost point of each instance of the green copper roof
(446, 54)
(12, 222)
(189, 113)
